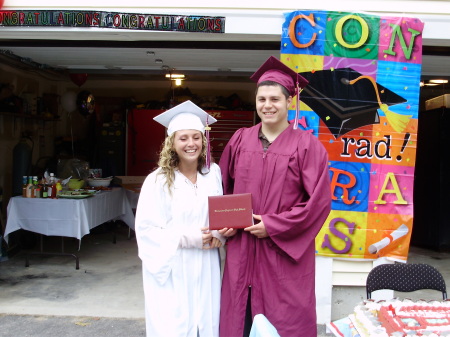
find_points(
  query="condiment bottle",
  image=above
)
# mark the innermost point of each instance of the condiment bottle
(58, 187)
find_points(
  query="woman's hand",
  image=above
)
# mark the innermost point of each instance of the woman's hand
(206, 238)
(215, 243)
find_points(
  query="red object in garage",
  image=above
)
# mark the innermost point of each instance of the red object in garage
(145, 136)
(79, 79)
(144, 141)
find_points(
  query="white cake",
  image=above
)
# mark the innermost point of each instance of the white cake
(402, 318)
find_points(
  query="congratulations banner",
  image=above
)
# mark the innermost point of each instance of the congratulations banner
(362, 102)
(154, 22)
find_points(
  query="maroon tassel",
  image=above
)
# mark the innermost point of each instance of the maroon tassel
(297, 108)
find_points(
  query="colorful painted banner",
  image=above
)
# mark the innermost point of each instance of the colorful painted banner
(98, 19)
(362, 102)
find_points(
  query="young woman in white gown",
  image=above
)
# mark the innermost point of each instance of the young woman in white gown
(180, 258)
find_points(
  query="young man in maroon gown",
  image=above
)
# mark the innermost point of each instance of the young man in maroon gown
(270, 266)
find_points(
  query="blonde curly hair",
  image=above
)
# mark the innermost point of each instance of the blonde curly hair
(169, 160)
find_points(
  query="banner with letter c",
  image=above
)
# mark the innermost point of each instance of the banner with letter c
(362, 103)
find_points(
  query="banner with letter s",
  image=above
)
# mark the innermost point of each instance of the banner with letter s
(362, 103)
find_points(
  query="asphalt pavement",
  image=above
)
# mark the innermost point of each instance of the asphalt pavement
(69, 326)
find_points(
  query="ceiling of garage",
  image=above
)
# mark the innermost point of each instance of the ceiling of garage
(199, 60)
(134, 60)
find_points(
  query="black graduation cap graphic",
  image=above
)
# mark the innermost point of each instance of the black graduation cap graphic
(345, 100)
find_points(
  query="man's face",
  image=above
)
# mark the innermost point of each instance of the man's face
(272, 105)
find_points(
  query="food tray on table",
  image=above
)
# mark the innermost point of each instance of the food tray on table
(79, 194)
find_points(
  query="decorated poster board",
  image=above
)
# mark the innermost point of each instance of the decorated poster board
(362, 103)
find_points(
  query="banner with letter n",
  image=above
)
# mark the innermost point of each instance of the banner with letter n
(362, 103)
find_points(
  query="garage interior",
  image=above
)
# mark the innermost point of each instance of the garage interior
(125, 70)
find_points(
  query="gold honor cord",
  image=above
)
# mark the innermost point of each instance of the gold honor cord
(208, 146)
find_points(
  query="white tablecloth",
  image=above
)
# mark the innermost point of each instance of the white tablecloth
(68, 217)
(133, 198)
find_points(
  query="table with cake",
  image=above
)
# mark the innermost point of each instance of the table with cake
(395, 318)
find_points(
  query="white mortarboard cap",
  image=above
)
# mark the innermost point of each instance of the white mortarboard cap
(185, 116)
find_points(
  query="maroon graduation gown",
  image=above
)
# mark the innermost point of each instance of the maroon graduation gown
(291, 190)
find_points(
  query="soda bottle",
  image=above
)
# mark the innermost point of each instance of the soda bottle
(53, 185)
(29, 187)
(24, 186)
(35, 188)
(44, 190)
(50, 184)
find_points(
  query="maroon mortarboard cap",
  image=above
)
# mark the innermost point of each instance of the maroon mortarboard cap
(276, 71)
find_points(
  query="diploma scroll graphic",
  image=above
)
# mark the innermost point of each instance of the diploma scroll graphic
(398, 233)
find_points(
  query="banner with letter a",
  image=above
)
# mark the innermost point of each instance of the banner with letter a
(362, 103)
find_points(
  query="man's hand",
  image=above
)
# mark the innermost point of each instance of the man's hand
(227, 232)
(259, 229)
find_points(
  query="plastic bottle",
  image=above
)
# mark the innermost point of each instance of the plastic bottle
(37, 187)
(51, 181)
(53, 184)
(33, 187)
(29, 187)
(44, 190)
(58, 188)
(38, 190)
(24, 186)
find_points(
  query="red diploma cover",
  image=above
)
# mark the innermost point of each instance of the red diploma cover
(230, 211)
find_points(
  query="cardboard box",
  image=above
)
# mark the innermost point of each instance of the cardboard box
(136, 188)
(442, 101)
(230, 211)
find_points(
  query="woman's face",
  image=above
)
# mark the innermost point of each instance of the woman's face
(188, 145)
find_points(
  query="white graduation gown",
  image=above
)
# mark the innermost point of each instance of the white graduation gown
(181, 285)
